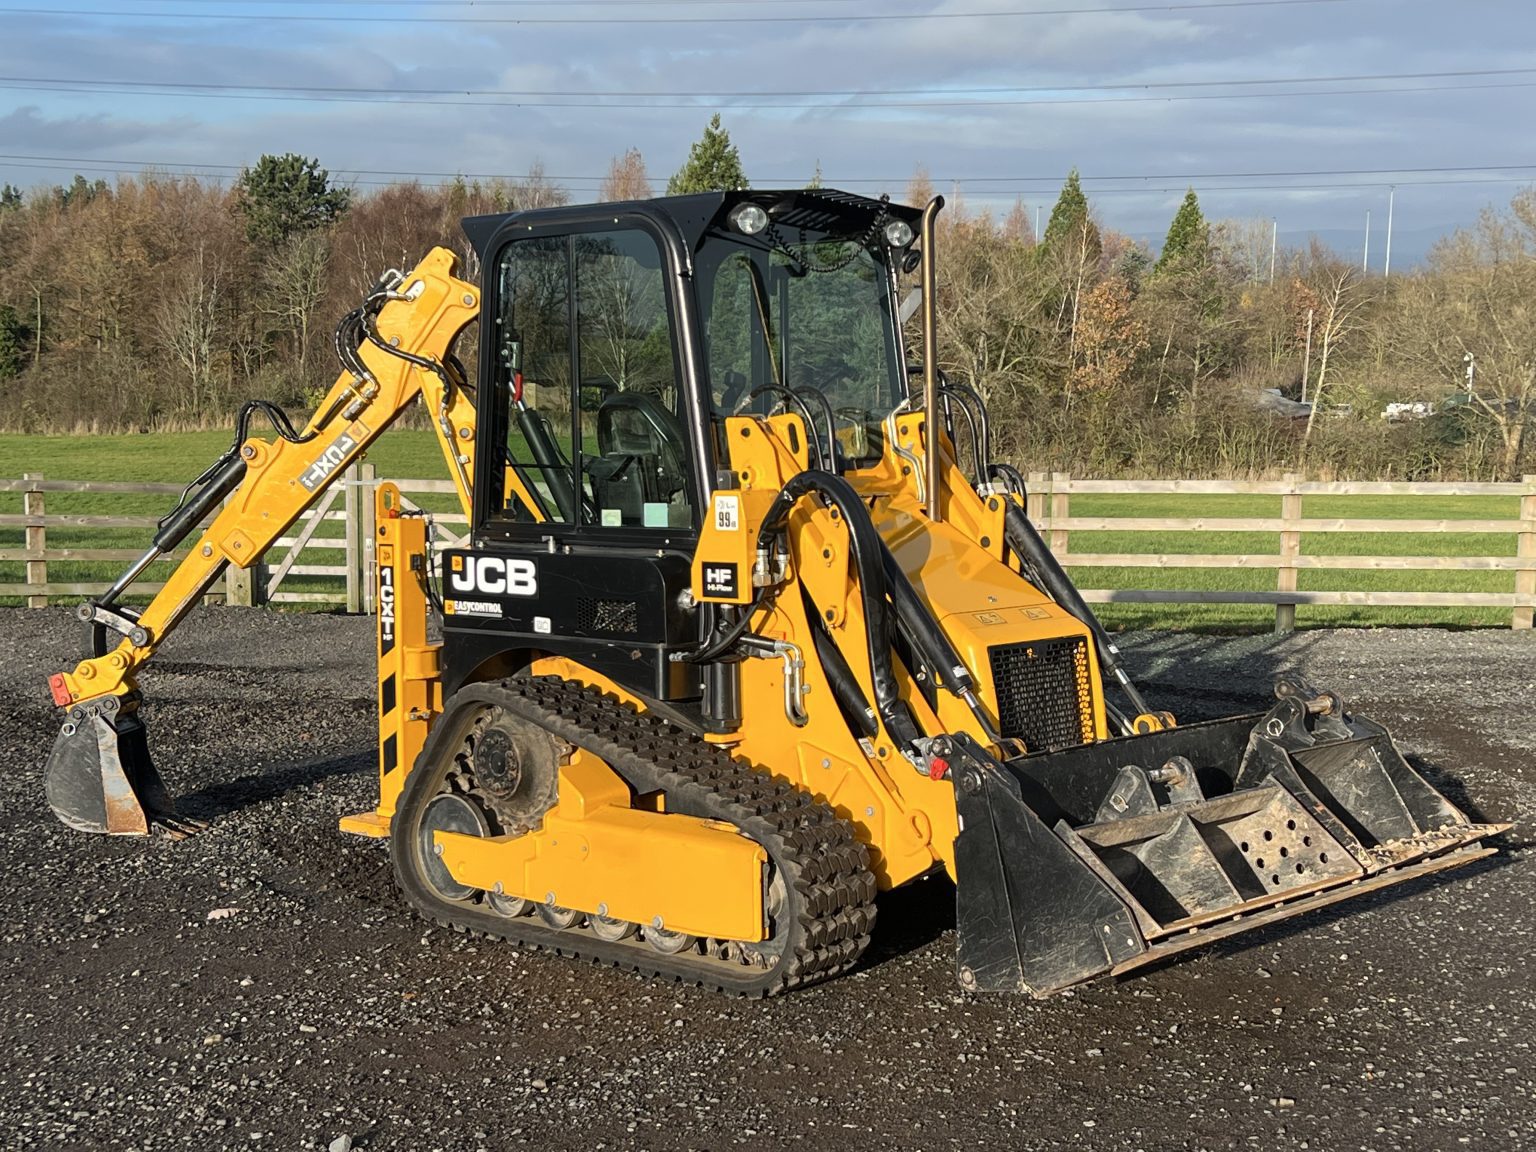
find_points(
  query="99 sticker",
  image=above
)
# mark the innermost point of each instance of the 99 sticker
(727, 513)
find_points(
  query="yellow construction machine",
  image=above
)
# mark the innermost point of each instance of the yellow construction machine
(748, 627)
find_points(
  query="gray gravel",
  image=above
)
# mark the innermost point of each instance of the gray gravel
(321, 1013)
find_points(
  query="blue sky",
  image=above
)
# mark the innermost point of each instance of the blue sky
(996, 94)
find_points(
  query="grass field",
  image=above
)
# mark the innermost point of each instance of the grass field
(177, 457)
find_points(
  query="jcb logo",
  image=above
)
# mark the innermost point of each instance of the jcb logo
(494, 576)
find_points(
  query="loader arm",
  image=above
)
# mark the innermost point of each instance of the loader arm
(403, 335)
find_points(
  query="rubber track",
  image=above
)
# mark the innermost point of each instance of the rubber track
(826, 870)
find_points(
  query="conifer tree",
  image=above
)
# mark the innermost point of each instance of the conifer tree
(1070, 224)
(713, 164)
(283, 196)
(1189, 236)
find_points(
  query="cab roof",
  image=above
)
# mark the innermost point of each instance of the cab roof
(814, 209)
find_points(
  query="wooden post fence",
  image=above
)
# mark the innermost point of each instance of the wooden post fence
(313, 550)
(1290, 548)
(32, 504)
(1525, 549)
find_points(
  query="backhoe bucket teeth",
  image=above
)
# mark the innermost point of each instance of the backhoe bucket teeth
(1095, 860)
(100, 777)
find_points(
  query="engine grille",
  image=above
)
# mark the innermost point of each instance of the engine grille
(621, 616)
(1044, 695)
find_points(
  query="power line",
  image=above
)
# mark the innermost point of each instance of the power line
(1120, 86)
(866, 18)
(1179, 181)
(370, 4)
(752, 105)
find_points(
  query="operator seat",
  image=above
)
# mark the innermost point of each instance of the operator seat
(642, 456)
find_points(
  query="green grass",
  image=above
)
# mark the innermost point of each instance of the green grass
(178, 457)
(166, 457)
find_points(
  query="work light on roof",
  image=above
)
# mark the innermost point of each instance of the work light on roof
(749, 219)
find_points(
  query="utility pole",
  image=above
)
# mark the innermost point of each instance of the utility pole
(1365, 260)
(1274, 237)
(1037, 223)
(1306, 360)
(1391, 193)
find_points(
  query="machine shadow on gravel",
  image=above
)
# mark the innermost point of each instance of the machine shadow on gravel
(260, 787)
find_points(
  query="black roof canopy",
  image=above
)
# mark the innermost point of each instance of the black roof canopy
(814, 209)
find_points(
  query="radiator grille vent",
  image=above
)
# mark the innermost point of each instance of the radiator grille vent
(1044, 697)
(614, 616)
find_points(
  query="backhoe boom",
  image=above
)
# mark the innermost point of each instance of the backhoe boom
(99, 775)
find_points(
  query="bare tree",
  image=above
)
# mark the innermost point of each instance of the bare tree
(626, 179)
(295, 281)
(187, 318)
(1337, 289)
(1474, 308)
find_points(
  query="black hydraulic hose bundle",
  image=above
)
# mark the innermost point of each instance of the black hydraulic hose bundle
(865, 547)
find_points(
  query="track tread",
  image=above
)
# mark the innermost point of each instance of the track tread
(815, 850)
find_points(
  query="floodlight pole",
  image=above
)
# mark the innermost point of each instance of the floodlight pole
(1391, 193)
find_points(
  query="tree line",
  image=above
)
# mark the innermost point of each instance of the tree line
(164, 301)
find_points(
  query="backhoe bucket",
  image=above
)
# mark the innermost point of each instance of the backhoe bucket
(100, 778)
(1095, 860)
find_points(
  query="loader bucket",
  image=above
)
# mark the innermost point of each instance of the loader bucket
(100, 778)
(1095, 860)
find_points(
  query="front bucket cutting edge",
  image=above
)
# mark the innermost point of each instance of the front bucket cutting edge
(1097, 859)
(100, 777)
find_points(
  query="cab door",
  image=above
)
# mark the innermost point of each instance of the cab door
(587, 475)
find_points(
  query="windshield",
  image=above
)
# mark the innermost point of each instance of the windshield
(806, 313)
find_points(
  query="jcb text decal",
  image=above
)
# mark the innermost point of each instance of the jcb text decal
(494, 576)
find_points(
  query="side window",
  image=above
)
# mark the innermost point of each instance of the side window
(584, 356)
(631, 448)
(533, 358)
(742, 352)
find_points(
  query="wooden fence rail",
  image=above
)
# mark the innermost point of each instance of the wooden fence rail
(331, 547)
(1050, 506)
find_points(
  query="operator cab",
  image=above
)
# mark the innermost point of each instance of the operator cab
(618, 338)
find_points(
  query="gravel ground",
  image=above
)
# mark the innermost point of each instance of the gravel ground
(324, 1009)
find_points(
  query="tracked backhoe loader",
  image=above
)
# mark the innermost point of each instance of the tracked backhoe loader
(748, 626)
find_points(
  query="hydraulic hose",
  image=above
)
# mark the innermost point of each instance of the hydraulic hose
(865, 547)
(1030, 548)
(829, 457)
(844, 685)
(931, 641)
(977, 407)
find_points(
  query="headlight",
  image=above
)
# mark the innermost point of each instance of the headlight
(898, 233)
(750, 219)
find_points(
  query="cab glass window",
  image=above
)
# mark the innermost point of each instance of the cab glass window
(594, 421)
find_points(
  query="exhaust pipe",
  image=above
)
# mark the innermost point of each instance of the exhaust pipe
(100, 778)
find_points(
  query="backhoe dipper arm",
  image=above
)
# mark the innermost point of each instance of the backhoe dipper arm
(99, 775)
(270, 483)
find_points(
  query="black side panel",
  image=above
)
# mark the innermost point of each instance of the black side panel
(620, 613)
